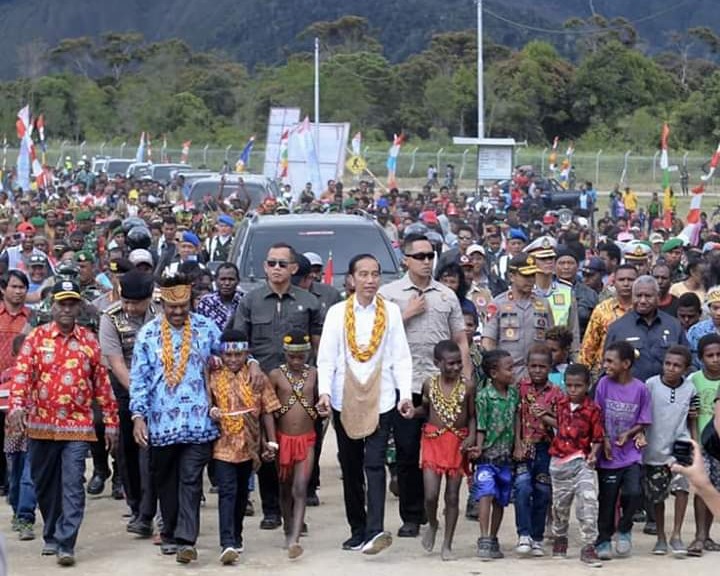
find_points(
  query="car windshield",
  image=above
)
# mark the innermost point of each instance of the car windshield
(163, 173)
(344, 242)
(204, 188)
(113, 167)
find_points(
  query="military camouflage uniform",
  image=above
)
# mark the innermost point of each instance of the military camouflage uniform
(574, 480)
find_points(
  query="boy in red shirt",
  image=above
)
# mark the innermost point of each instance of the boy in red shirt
(573, 452)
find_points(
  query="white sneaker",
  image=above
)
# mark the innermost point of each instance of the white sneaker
(229, 556)
(524, 545)
(537, 549)
(377, 543)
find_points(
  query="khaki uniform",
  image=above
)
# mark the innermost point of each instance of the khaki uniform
(515, 325)
(441, 320)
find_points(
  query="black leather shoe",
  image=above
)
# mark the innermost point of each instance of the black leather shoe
(96, 485)
(312, 500)
(409, 530)
(140, 527)
(270, 523)
(117, 489)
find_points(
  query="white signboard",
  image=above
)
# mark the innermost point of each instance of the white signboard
(495, 162)
(280, 119)
(331, 154)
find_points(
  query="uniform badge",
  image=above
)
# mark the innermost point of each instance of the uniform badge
(559, 299)
(491, 310)
(509, 333)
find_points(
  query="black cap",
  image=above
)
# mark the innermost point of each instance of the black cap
(562, 250)
(66, 289)
(121, 265)
(136, 285)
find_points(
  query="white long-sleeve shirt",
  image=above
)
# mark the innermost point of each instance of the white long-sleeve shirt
(394, 351)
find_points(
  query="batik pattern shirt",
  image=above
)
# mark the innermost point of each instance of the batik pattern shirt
(178, 414)
(211, 306)
(56, 379)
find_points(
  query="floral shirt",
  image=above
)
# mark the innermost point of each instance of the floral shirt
(532, 429)
(243, 444)
(211, 306)
(56, 379)
(593, 344)
(178, 414)
(496, 418)
(576, 429)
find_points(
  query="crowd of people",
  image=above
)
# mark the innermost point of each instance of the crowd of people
(542, 363)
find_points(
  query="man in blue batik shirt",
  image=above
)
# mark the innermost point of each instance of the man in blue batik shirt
(170, 407)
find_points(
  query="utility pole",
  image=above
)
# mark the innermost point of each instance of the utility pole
(317, 96)
(480, 94)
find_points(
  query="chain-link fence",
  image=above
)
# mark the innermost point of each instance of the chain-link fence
(604, 169)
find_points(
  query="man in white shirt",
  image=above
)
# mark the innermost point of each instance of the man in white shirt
(363, 358)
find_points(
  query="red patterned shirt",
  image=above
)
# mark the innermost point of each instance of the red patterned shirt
(577, 429)
(532, 429)
(56, 379)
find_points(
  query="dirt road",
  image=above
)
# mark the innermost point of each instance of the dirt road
(105, 548)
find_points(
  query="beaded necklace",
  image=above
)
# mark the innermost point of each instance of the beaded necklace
(448, 408)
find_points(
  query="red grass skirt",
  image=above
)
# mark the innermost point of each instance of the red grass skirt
(293, 449)
(441, 453)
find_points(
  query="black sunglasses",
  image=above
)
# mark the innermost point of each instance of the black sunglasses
(276, 263)
(420, 256)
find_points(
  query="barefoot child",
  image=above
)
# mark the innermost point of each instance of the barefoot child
(295, 385)
(496, 407)
(448, 436)
(672, 399)
(573, 452)
(239, 410)
(626, 409)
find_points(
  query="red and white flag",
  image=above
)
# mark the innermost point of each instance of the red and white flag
(185, 151)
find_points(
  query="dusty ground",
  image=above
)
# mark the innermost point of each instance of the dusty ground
(105, 548)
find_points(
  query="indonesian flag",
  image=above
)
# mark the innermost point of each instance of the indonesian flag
(185, 152)
(329, 271)
(713, 164)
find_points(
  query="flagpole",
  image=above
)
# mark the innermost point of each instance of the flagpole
(480, 94)
(317, 96)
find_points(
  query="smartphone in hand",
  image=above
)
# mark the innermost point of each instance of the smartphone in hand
(683, 452)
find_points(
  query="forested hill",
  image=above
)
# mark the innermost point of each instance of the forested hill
(264, 31)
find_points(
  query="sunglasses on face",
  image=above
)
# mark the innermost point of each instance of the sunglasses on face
(277, 263)
(420, 256)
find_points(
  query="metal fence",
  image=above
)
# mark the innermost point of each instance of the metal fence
(604, 169)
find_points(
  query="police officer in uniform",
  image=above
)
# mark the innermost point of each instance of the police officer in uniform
(557, 292)
(518, 318)
(638, 254)
(119, 325)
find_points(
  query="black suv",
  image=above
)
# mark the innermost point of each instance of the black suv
(343, 235)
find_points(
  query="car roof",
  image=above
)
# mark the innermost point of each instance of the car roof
(234, 178)
(311, 219)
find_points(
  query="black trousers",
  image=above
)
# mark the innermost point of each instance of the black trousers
(269, 488)
(407, 434)
(232, 483)
(149, 495)
(363, 466)
(97, 449)
(623, 481)
(128, 457)
(4, 484)
(320, 429)
(178, 471)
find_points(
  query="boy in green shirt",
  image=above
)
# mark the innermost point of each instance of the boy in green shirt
(495, 406)
(706, 382)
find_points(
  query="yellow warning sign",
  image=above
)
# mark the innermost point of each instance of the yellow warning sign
(356, 164)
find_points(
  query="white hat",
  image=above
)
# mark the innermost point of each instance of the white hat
(474, 249)
(314, 258)
(141, 256)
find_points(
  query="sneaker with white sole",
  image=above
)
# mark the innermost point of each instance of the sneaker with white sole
(377, 543)
(229, 556)
(623, 546)
(524, 546)
(537, 549)
(604, 551)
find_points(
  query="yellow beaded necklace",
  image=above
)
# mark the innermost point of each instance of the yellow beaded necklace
(376, 336)
(174, 374)
(233, 424)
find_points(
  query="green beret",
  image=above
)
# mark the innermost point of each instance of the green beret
(117, 231)
(349, 203)
(37, 221)
(84, 256)
(671, 244)
(84, 216)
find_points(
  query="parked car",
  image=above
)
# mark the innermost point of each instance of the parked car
(554, 196)
(342, 235)
(257, 186)
(163, 172)
(115, 166)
